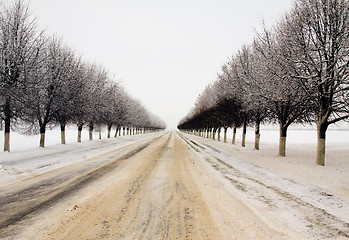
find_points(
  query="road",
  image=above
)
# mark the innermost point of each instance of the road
(160, 187)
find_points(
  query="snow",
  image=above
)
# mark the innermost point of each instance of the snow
(261, 178)
(293, 191)
(22, 142)
(29, 161)
(296, 134)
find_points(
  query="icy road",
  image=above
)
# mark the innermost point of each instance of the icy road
(166, 185)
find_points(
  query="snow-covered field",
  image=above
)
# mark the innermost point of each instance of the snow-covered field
(269, 134)
(296, 134)
(300, 142)
(22, 142)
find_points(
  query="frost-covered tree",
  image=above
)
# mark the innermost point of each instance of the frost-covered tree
(297, 71)
(203, 118)
(43, 83)
(20, 45)
(233, 84)
(121, 110)
(67, 102)
(284, 98)
(114, 106)
(48, 87)
(82, 74)
(317, 34)
(252, 74)
(97, 87)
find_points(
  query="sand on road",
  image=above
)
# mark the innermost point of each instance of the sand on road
(161, 191)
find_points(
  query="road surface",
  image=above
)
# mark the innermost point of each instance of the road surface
(161, 187)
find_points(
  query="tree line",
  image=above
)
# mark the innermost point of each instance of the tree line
(45, 83)
(293, 72)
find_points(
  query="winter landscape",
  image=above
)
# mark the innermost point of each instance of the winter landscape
(127, 120)
(219, 190)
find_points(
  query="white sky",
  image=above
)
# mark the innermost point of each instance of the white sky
(164, 52)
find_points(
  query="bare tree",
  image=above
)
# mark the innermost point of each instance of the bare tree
(233, 84)
(67, 102)
(318, 36)
(83, 72)
(249, 65)
(284, 98)
(113, 105)
(96, 89)
(48, 87)
(19, 47)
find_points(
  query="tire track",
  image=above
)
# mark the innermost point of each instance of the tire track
(161, 202)
(317, 220)
(15, 207)
(151, 196)
(135, 187)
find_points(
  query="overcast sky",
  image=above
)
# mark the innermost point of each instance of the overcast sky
(164, 52)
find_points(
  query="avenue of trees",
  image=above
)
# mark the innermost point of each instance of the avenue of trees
(294, 72)
(45, 83)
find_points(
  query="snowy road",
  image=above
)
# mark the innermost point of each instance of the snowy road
(162, 186)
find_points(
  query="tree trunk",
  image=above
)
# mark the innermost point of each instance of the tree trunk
(79, 132)
(244, 127)
(109, 129)
(116, 131)
(62, 133)
(7, 142)
(219, 134)
(214, 133)
(225, 134)
(42, 135)
(257, 135)
(7, 112)
(99, 133)
(128, 131)
(124, 131)
(42, 139)
(234, 135)
(321, 142)
(282, 140)
(90, 131)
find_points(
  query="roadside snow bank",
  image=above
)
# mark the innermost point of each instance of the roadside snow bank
(291, 190)
(19, 165)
